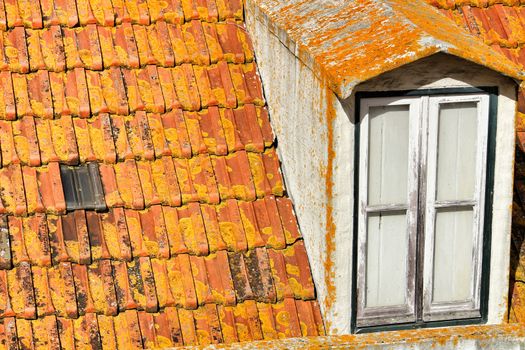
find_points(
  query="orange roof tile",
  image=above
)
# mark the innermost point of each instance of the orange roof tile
(199, 239)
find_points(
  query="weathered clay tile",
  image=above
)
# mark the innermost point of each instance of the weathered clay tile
(85, 14)
(269, 222)
(142, 284)
(154, 232)
(251, 227)
(177, 44)
(291, 228)
(220, 279)
(298, 271)
(184, 177)
(12, 191)
(150, 89)
(286, 320)
(7, 98)
(18, 249)
(158, 138)
(203, 179)
(7, 144)
(139, 136)
(306, 313)
(86, 332)
(26, 141)
(138, 11)
(213, 134)
(45, 141)
(120, 137)
(96, 97)
(83, 140)
(222, 85)
(269, 329)
(200, 279)
(23, 105)
(109, 183)
(6, 309)
(207, 325)
(5, 246)
(165, 181)
(260, 178)
(45, 333)
(36, 61)
(127, 330)
(196, 42)
(43, 299)
(213, 232)
(187, 326)
(273, 173)
(129, 184)
(230, 43)
(212, 41)
(279, 274)
(106, 329)
(116, 234)
(249, 129)
(101, 137)
(146, 180)
(85, 299)
(35, 235)
(230, 225)
(169, 11)
(239, 83)
(16, 50)
(62, 288)
(56, 239)
(114, 91)
(176, 134)
(181, 281)
(8, 333)
(76, 239)
(143, 44)
(13, 14)
(77, 96)
(50, 188)
(3, 19)
(196, 139)
(260, 275)
(101, 287)
(24, 333)
(230, 9)
(186, 87)
(239, 272)
(171, 219)
(162, 285)
(247, 321)
(171, 100)
(227, 321)
(97, 240)
(125, 45)
(192, 229)
(33, 197)
(66, 332)
(138, 246)
(234, 176)
(21, 291)
(133, 91)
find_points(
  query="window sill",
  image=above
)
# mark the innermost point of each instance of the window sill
(507, 336)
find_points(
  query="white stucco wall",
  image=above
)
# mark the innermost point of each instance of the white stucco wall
(312, 126)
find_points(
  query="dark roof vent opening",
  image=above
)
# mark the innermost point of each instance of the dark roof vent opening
(82, 187)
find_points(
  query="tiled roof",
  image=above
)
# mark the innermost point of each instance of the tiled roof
(200, 243)
(501, 24)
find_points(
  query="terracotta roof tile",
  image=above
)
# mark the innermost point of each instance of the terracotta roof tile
(199, 240)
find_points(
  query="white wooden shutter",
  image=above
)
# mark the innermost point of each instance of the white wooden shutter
(457, 143)
(387, 210)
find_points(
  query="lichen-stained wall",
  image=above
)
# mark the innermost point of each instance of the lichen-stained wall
(315, 131)
(311, 126)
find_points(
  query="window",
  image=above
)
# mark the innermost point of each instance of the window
(420, 211)
(82, 187)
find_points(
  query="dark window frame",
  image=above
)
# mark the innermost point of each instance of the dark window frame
(487, 227)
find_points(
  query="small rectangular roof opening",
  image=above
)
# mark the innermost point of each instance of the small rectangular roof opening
(82, 187)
